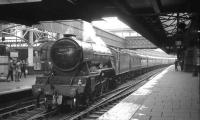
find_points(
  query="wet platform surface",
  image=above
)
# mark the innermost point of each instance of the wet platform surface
(12, 86)
(171, 95)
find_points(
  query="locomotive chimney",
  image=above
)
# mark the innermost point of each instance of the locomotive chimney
(69, 35)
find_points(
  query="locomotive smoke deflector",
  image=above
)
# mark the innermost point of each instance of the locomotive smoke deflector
(66, 54)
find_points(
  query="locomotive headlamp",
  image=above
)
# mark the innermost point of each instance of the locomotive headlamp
(36, 90)
(79, 82)
(74, 100)
(59, 99)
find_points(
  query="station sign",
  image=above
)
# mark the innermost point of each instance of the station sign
(14, 54)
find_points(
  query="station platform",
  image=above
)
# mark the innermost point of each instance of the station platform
(170, 95)
(23, 84)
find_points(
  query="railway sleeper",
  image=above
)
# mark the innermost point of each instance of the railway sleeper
(98, 112)
(19, 112)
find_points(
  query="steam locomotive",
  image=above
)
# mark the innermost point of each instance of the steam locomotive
(80, 71)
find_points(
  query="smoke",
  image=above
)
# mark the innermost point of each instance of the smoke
(89, 35)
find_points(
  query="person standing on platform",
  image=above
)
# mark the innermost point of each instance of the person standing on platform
(14, 70)
(176, 65)
(10, 69)
(181, 65)
(18, 70)
(196, 61)
(23, 69)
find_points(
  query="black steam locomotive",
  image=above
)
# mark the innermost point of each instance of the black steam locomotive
(80, 71)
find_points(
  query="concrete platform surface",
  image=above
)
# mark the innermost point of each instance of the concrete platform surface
(171, 95)
(23, 84)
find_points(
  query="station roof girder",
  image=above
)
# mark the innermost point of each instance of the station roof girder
(138, 42)
(144, 16)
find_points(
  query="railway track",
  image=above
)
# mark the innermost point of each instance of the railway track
(101, 105)
(23, 108)
(111, 99)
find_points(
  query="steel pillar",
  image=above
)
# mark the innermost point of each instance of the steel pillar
(30, 49)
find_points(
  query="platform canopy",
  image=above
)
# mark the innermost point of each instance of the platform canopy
(160, 21)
